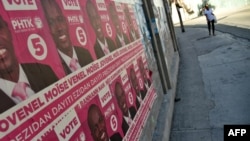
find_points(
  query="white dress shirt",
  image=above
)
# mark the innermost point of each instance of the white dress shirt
(67, 59)
(8, 86)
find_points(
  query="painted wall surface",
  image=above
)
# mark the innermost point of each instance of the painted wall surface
(82, 70)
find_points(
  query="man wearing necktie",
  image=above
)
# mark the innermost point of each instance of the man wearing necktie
(19, 81)
(121, 38)
(97, 125)
(140, 93)
(72, 57)
(133, 34)
(128, 112)
(103, 45)
(147, 81)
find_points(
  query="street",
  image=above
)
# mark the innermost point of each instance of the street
(214, 77)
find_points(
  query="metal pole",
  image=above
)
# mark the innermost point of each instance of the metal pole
(179, 15)
(168, 11)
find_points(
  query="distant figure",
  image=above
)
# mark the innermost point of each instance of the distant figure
(103, 45)
(208, 12)
(97, 125)
(72, 57)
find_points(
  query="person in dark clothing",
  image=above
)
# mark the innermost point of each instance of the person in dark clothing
(208, 12)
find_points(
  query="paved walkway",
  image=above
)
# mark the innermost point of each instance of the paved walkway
(213, 81)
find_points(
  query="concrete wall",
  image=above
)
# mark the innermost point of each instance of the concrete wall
(160, 116)
(148, 129)
(61, 102)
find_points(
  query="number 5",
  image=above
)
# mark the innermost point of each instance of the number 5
(37, 47)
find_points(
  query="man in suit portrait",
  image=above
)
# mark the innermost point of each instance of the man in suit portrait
(133, 34)
(97, 125)
(72, 57)
(146, 80)
(140, 93)
(19, 81)
(128, 112)
(121, 38)
(103, 45)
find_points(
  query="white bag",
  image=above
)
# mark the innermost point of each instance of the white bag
(215, 19)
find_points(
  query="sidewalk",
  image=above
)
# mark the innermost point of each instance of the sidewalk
(213, 82)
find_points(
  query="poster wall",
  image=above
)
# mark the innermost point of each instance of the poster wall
(72, 70)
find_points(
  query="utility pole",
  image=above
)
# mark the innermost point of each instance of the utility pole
(179, 15)
(168, 11)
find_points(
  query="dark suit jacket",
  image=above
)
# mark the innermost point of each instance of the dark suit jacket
(116, 137)
(118, 43)
(83, 56)
(98, 50)
(136, 35)
(125, 125)
(149, 82)
(137, 104)
(143, 94)
(39, 76)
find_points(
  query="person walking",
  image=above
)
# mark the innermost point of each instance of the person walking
(208, 12)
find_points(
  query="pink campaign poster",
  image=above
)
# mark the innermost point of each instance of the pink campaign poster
(130, 95)
(127, 110)
(117, 19)
(99, 27)
(133, 83)
(66, 27)
(144, 72)
(103, 8)
(28, 55)
(132, 26)
(121, 14)
(29, 34)
(76, 24)
(136, 84)
(63, 84)
(99, 118)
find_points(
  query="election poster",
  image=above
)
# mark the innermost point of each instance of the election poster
(65, 77)
(74, 27)
(28, 34)
(117, 19)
